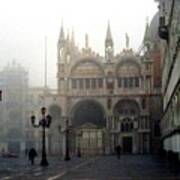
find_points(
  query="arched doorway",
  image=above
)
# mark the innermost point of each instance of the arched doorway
(88, 121)
(54, 137)
(127, 112)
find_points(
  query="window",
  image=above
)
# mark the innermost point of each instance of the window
(127, 127)
(81, 83)
(144, 103)
(87, 83)
(119, 82)
(93, 83)
(122, 127)
(100, 82)
(125, 83)
(157, 131)
(136, 82)
(74, 83)
(130, 82)
(131, 126)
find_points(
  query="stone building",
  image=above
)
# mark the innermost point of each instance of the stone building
(105, 101)
(14, 86)
(169, 31)
(152, 50)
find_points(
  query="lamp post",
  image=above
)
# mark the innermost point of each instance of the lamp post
(66, 132)
(45, 122)
(67, 157)
(79, 144)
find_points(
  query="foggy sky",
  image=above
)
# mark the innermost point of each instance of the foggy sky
(24, 24)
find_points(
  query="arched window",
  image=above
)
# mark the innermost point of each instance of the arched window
(122, 127)
(143, 103)
(127, 127)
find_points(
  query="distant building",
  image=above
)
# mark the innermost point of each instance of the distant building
(169, 31)
(14, 85)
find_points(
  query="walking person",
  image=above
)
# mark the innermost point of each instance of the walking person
(32, 155)
(118, 151)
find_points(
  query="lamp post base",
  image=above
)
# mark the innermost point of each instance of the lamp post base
(44, 162)
(67, 158)
(79, 153)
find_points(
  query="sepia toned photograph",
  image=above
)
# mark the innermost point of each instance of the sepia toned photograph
(90, 90)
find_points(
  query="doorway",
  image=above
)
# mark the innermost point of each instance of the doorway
(127, 145)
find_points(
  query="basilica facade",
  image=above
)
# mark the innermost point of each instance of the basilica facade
(104, 101)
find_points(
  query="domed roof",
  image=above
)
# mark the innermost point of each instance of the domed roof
(153, 28)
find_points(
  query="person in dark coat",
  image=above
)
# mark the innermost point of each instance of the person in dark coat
(118, 151)
(32, 155)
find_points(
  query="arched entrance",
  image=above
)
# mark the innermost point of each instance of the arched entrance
(88, 121)
(127, 112)
(55, 112)
(54, 137)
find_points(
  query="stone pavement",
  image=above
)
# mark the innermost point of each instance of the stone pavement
(130, 167)
(20, 168)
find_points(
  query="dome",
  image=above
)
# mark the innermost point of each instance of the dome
(153, 28)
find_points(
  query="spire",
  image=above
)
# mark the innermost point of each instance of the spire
(61, 35)
(109, 46)
(146, 35)
(61, 44)
(127, 40)
(86, 41)
(68, 38)
(108, 33)
(72, 38)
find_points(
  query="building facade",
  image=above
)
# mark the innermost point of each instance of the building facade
(14, 86)
(169, 31)
(105, 101)
(152, 50)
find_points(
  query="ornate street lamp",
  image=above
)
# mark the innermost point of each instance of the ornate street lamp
(67, 157)
(45, 122)
(79, 144)
(66, 131)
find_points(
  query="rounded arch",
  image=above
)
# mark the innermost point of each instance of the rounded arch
(89, 64)
(127, 125)
(126, 107)
(88, 111)
(55, 111)
(132, 66)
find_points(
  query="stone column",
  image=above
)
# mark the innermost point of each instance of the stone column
(135, 138)
(107, 123)
(104, 85)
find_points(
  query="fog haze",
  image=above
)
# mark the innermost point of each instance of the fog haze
(24, 24)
